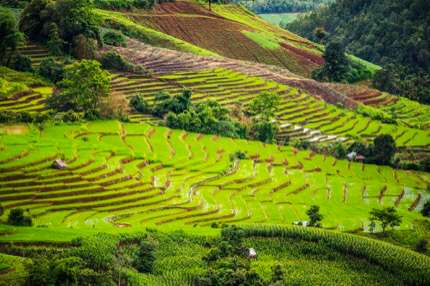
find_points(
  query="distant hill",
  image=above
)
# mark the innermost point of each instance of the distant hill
(384, 32)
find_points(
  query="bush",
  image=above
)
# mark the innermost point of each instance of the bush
(114, 61)
(22, 63)
(84, 47)
(145, 258)
(264, 131)
(114, 38)
(17, 217)
(51, 69)
(139, 104)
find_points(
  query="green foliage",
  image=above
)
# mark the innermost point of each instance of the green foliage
(10, 37)
(387, 217)
(264, 131)
(114, 61)
(238, 155)
(82, 89)
(84, 47)
(392, 33)
(64, 24)
(51, 69)
(21, 63)
(226, 262)
(17, 217)
(139, 104)
(283, 6)
(338, 68)
(126, 4)
(422, 246)
(114, 38)
(264, 105)
(8, 88)
(1, 210)
(383, 149)
(399, 80)
(314, 215)
(376, 114)
(145, 258)
(55, 44)
(410, 267)
(278, 274)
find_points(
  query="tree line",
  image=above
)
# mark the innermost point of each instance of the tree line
(392, 33)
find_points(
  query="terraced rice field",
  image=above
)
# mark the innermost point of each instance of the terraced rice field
(37, 53)
(302, 114)
(122, 175)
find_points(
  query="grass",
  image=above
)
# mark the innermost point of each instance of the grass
(278, 18)
(267, 41)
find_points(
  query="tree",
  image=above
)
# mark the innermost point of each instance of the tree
(383, 149)
(145, 258)
(83, 87)
(314, 215)
(336, 65)
(320, 33)
(10, 37)
(426, 209)
(387, 217)
(264, 105)
(17, 217)
(51, 69)
(139, 104)
(264, 131)
(1, 210)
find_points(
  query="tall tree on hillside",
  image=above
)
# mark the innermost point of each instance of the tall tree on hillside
(336, 64)
(387, 217)
(10, 37)
(84, 85)
(314, 215)
(383, 149)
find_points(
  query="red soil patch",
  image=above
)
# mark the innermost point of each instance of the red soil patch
(210, 31)
(304, 54)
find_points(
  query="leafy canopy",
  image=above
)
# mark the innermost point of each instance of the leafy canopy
(387, 217)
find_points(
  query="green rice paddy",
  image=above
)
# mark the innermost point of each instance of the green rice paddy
(136, 175)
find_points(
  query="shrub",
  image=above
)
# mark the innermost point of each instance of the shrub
(51, 69)
(264, 131)
(84, 47)
(17, 217)
(145, 258)
(22, 63)
(114, 38)
(114, 61)
(55, 44)
(238, 155)
(139, 104)
(421, 246)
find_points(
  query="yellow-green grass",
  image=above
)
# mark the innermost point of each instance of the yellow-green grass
(132, 176)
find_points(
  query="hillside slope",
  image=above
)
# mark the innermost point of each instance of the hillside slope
(233, 32)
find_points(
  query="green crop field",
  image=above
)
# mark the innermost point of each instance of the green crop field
(278, 18)
(136, 175)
